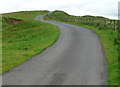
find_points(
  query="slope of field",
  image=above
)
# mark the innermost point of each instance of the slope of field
(105, 28)
(25, 38)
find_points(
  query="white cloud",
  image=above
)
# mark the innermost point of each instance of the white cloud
(107, 8)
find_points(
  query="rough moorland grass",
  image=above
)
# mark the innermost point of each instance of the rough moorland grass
(25, 15)
(107, 39)
(27, 38)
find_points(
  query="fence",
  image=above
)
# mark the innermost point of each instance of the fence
(102, 22)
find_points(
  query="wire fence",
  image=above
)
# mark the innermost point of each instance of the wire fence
(103, 23)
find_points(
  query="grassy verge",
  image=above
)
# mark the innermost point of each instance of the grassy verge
(107, 36)
(26, 38)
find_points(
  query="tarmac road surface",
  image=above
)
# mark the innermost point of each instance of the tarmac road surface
(76, 58)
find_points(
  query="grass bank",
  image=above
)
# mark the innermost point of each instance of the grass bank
(105, 29)
(26, 38)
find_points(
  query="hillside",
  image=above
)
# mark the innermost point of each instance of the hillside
(24, 37)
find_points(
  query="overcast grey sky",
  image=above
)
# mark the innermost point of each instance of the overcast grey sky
(106, 8)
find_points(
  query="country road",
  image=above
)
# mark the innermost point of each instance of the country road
(76, 58)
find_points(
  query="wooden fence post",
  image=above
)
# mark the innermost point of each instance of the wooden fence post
(114, 26)
(111, 26)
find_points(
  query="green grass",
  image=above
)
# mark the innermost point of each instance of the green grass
(25, 15)
(107, 37)
(25, 39)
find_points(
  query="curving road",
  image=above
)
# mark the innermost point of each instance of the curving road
(77, 58)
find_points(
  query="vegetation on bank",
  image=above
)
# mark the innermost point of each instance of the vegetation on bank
(23, 39)
(107, 30)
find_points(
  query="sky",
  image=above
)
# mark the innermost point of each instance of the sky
(105, 8)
